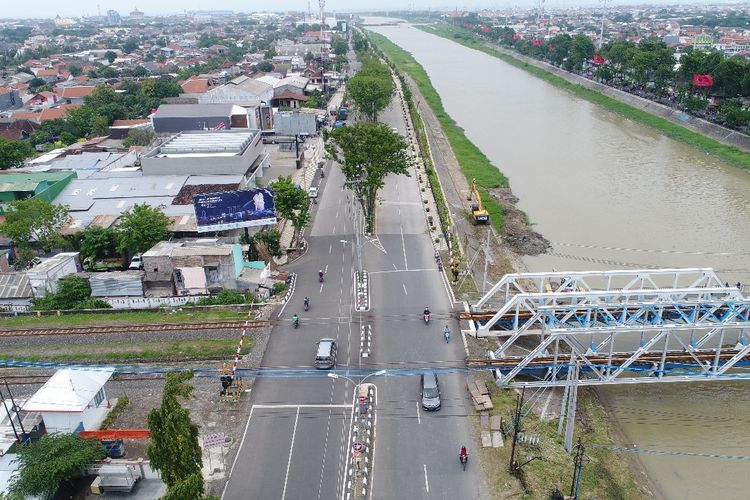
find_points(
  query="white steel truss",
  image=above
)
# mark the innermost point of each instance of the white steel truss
(572, 281)
(633, 331)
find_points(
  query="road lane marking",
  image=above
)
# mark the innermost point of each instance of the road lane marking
(330, 248)
(426, 482)
(237, 456)
(291, 450)
(397, 270)
(419, 418)
(394, 267)
(403, 245)
(407, 293)
(289, 406)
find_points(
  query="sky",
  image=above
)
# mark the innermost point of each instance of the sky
(51, 8)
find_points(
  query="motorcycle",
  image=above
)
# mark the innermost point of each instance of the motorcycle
(295, 320)
(464, 459)
(320, 277)
(447, 335)
(426, 317)
(307, 305)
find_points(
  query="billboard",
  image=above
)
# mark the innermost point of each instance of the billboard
(234, 209)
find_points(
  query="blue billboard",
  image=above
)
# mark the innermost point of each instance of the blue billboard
(234, 209)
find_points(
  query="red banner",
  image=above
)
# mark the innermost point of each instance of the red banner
(485, 29)
(536, 42)
(517, 36)
(703, 80)
(598, 60)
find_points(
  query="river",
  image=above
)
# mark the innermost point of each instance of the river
(613, 194)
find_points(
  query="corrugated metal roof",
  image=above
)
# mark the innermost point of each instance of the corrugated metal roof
(15, 286)
(117, 284)
(193, 110)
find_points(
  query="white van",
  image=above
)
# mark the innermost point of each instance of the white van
(325, 354)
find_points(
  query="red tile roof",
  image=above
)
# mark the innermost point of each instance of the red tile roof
(74, 92)
(58, 112)
(46, 72)
(291, 95)
(195, 86)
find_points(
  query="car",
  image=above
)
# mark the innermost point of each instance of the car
(394, 130)
(430, 391)
(325, 354)
(136, 263)
(312, 192)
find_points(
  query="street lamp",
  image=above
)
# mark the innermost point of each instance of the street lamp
(357, 385)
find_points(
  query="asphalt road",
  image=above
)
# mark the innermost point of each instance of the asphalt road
(294, 443)
(416, 452)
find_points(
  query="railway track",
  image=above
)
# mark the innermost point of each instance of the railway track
(159, 327)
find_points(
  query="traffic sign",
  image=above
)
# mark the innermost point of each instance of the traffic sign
(213, 440)
(358, 447)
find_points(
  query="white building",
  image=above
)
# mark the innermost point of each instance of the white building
(72, 400)
(44, 276)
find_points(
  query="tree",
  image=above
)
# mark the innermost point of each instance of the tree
(34, 219)
(291, 202)
(367, 153)
(110, 56)
(268, 244)
(309, 56)
(73, 292)
(174, 449)
(140, 71)
(370, 94)
(13, 153)
(141, 228)
(264, 66)
(98, 242)
(130, 45)
(75, 70)
(140, 136)
(54, 459)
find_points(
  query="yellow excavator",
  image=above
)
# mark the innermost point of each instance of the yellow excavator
(478, 214)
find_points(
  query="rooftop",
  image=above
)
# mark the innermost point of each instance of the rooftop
(195, 143)
(15, 286)
(188, 248)
(193, 110)
(53, 261)
(69, 390)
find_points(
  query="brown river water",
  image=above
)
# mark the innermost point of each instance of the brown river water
(613, 194)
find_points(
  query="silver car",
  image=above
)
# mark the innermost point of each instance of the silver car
(430, 392)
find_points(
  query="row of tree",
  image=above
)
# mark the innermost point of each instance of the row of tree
(35, 221)
(371, 89)
(134, 100)
(650, 66)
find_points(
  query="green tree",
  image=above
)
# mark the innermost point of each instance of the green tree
(75, 70)
(264, 66)
(130, 45)
(34, 219)
(140, 71)
(370, 94)
(291, 202)
(71, 291)
(36, 82)
(54, 459)
(581, 49)
(13, 153)
(98, 242)
(173, 449)
(268, 244)
(309, 56)
(141, 228)
(367, 153)
(110, 56)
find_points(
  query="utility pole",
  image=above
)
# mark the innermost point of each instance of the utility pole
(577, 470)
(516, 429)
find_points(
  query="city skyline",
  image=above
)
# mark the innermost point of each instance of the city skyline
(166, 7)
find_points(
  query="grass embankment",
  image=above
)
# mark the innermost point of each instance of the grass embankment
(186, 315)
(605, 474)
(726, 153)
(474, 164)
(119, 352)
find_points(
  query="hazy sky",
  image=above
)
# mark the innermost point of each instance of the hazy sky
(50, 8)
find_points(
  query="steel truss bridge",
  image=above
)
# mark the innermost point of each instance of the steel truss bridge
(613, 327)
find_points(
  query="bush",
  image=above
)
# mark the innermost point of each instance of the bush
(225, 297)
(279, 288)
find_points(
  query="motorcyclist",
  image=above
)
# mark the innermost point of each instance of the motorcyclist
(295, 320)
(307, 303)
(463, 454)
(447, 333)
(426, 311)
(320, 275)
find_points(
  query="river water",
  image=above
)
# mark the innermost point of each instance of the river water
(613, 194)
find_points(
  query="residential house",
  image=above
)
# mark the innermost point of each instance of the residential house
(48, 75)
(74, 95)
(72, 400)
(192, 267)
(16, 129)
(195, 86)
(46, 114)
(44, 99)
(221, 50)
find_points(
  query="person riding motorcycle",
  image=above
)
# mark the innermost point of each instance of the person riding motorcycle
(307, 303)
(447, 333)
(463, 455)
(295, 320)
(426, 314)
(320, 275)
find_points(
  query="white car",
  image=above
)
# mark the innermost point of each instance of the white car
(136, 263)
(313, 192)
(394, 130)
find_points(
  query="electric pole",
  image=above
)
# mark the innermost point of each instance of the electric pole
(516, 429)
(577, 470)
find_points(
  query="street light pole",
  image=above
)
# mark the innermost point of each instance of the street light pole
(362, 381)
